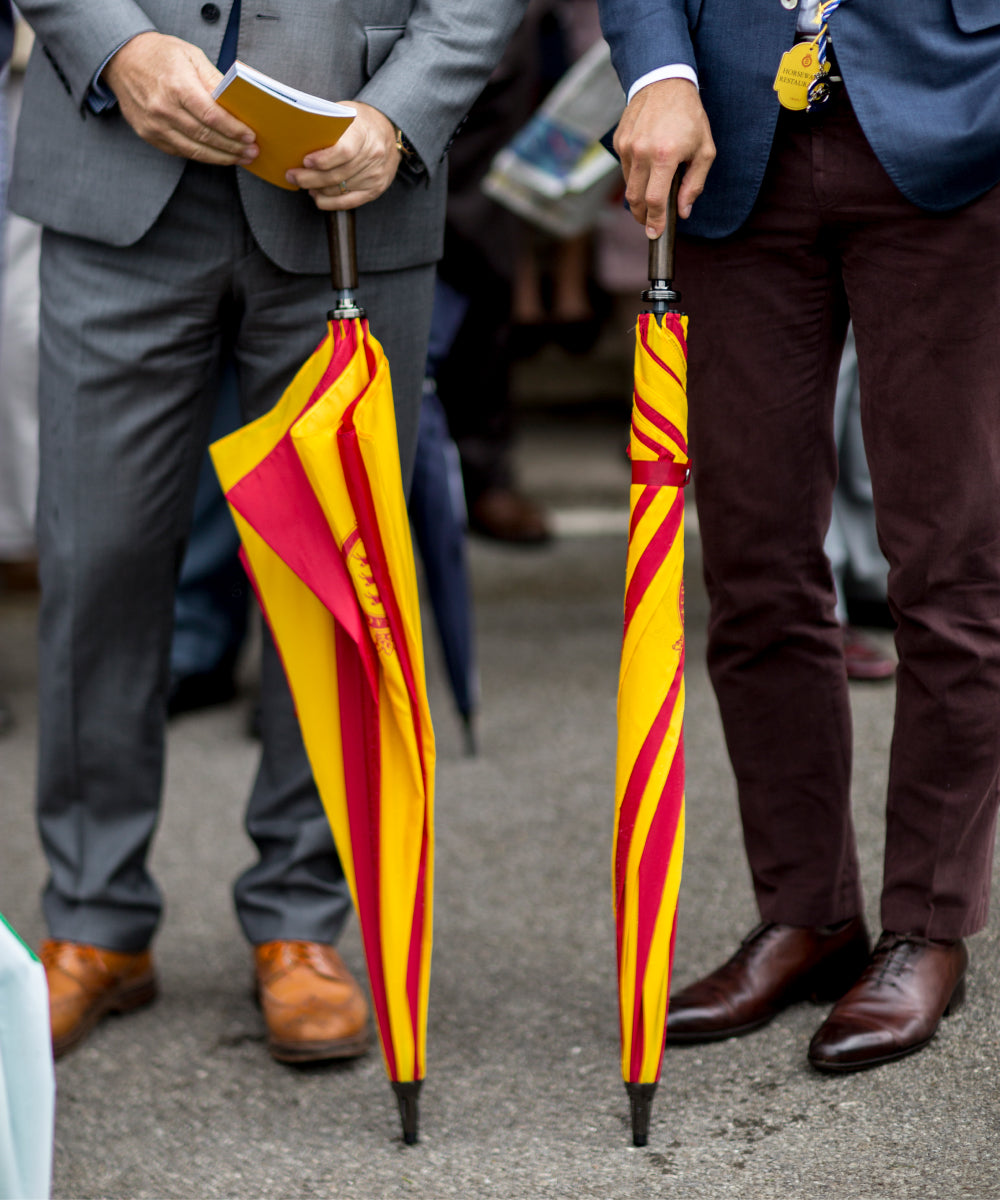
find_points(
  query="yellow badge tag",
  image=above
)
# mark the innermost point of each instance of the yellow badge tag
(796, 71)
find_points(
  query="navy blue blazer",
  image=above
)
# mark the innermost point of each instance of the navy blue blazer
(923, 77)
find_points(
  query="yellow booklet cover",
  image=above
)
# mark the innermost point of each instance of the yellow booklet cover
(289, 124)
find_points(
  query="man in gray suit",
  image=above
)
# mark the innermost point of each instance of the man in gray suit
(159, 259)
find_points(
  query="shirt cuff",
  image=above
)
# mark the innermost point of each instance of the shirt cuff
(674, 71)
(99, 96)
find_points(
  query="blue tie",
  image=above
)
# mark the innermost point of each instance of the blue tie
(227, 55)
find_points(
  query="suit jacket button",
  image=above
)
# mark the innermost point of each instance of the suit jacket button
(789, 4)
(210, 13)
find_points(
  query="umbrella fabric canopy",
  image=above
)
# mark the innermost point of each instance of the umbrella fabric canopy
(316, 492)
(437, 514)
(649, 790)
(27, 1076)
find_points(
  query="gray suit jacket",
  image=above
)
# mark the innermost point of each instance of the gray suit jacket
(421, 62)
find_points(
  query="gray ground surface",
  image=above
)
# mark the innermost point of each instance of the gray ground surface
(523, 1096)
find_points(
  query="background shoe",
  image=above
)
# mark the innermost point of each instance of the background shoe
(895, 1008)
(775, 966)
(204, 689)
(87, 983)
(313, 1006)
(863, 659)
(507, 516)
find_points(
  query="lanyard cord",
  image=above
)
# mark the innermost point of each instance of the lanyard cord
(819, 89)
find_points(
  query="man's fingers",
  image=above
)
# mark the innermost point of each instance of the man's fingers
(163, 86)
(663, 126)
(693, 183)
(337, 201)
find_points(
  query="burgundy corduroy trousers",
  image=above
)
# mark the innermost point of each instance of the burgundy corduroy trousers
(832, 239)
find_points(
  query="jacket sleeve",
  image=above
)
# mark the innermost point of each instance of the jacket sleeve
(438, 67)
(645, 35)
(77, 36)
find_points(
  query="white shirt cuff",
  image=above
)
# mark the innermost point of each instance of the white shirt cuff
(674, 71)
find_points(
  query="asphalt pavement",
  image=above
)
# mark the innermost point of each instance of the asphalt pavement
(523, 1097)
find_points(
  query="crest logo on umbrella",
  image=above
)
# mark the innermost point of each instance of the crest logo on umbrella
(378, 623)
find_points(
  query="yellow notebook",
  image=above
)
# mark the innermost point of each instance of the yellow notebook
(289, 124)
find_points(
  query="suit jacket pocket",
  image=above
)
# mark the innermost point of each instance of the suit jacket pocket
(381, 39)
(973, 16)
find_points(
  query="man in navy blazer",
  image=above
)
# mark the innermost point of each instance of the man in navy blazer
(880, 205)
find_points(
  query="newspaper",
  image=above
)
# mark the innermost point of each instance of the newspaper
(555, 173)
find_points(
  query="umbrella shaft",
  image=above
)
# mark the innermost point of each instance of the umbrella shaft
(345, 308)
(660, 297)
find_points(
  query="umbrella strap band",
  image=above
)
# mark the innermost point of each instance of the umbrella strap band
(661, 473)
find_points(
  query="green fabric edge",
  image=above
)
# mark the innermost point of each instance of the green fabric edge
(31, 952)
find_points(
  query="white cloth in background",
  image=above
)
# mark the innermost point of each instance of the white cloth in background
(27, 1076)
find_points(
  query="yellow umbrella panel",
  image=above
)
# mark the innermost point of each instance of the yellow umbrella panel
(649, 791)
(315, 489)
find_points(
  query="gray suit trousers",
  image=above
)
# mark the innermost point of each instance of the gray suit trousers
(131, 345)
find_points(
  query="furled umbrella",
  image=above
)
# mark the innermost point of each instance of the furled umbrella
(440, 521)
(438, 517)
(649, 788)
(317, 495)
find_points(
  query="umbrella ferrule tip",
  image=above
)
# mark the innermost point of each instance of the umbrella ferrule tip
(406, 1097)
(640, 1097)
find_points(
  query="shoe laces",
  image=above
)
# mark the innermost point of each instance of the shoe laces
(892, 955)
(313, 955)
(753, 941)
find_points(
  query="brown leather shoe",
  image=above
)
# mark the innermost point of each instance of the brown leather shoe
(775, 966)
(507, 516)
(87, 982)
(895, 1007)
(312, 1005)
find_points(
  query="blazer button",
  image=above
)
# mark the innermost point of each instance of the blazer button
(789, 4)
(210, 13)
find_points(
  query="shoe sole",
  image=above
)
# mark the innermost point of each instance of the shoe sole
(306, 1052)
(845, 1068)
(114, 1004)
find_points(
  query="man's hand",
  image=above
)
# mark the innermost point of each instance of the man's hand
(664, 126)
(164, 89)
(365, 161)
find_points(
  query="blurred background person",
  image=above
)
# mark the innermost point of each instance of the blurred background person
(19, 246)
(859, 566)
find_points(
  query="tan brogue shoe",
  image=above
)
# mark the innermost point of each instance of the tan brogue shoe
(312, 1005)
(87, 982)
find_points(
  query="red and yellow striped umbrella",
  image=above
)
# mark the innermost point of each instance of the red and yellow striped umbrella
(649, 790)
(316, 492)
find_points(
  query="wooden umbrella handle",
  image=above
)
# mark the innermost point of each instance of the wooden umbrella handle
(660, 296)
(661, 249)
(343, 250)
(340, 234)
